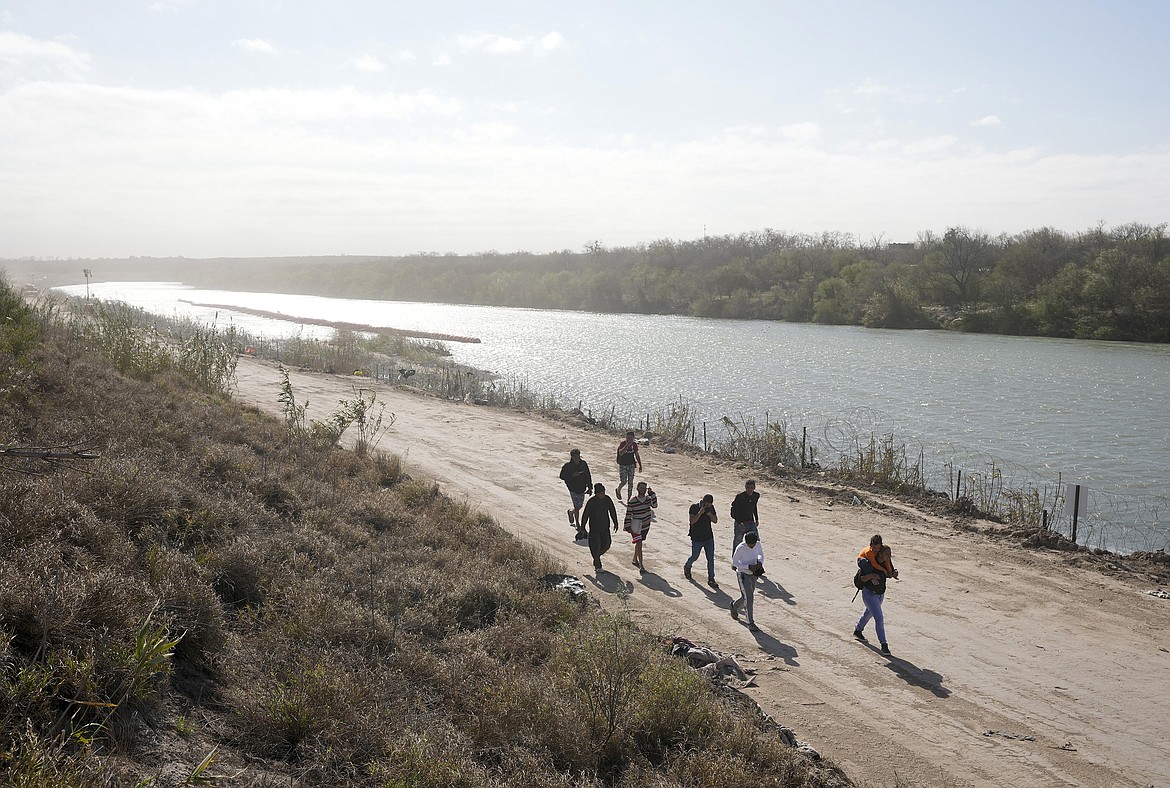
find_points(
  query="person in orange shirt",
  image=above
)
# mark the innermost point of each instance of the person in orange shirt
(875, 565)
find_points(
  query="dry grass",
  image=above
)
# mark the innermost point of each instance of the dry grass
(213, 598)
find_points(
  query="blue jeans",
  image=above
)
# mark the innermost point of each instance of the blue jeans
(698, 547)
(741, 529)
(873, 609)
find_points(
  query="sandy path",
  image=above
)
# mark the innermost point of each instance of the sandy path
(985, 638)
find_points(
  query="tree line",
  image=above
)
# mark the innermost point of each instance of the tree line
(1104, 283)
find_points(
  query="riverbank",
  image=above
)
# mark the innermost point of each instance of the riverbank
(986, 637)
(995, 409)
(884, 465)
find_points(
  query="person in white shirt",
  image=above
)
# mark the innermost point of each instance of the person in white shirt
(748, 560)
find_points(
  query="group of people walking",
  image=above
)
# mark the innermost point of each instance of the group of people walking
(592, 520)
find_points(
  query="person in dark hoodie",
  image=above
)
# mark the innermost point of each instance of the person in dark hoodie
(598, 513)
(575, 475)
(745, 513)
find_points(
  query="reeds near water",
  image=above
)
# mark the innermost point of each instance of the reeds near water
(844, 451)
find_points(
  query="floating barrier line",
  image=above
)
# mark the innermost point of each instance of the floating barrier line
(312, 321)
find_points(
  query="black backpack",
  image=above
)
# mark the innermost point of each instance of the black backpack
(857, 581)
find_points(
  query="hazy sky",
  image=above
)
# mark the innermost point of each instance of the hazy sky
(283, 127)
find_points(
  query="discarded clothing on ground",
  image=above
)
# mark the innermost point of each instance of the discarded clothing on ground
(572, 585)
(711, 663)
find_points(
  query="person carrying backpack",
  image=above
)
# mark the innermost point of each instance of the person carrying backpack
(575, 475)
(874, 566)
(744, 513)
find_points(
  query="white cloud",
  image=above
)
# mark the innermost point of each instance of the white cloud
(929, 146)
(487, 132)
(904, 95)
(255, 45)
(495, 44)
(162, 6)
(308, 106)
(111, 123)
(804, 133)
(744, 132)
(25, 57)
(405, 55)
(442, 59)
(490, 42)
(94, 171)
(550, 41)
(368, 63)
(988, 120)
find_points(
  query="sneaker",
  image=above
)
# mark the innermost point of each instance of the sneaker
(711, 582)
(597, 567)
(635, 563)
(570, 513)
(886, 649)
(581, 536)
(618, 493)
(735, 611)
(687, 572)
(753, 628)
(857, 633)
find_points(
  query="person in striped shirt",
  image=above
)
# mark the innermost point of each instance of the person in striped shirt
(638, 511)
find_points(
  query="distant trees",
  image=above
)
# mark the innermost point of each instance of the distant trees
(959, 260)
(1105, 283)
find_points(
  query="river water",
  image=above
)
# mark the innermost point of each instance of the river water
(1037, 410)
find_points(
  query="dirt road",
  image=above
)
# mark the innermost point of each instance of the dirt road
(1010, 667)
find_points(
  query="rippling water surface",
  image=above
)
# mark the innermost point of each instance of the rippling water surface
(1093, 412)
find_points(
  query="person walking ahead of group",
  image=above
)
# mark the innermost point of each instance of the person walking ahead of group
(875, 565)
(702, 537)
(596, 516)
(638, 511)
(627, 458)
(575, 475)
(748, 560)
(744, 514)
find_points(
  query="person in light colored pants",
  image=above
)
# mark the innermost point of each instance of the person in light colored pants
(748, 561)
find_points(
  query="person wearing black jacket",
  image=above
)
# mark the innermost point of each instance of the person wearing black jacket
(596, 517)
(575, 475)
(744, 514)
(702, 537)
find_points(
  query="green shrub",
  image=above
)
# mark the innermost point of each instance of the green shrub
(18, 327)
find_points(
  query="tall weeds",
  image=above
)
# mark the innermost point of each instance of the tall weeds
(363, 410)
(883, 462)
(143, 347)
